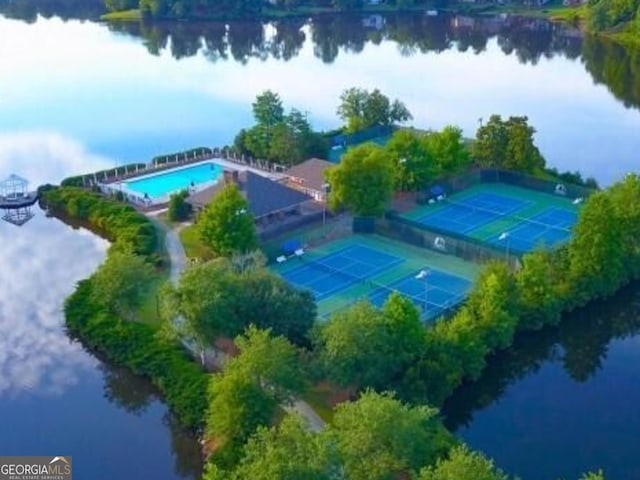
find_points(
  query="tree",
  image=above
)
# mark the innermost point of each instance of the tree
(362, 182)
(267, 109)
(507, 144)
(540, 282)
(179, 209)
(448, 149)
(121, 282)
(226, 224)
(244, 396)
(625, 199)
(364, 347)
(413, 161)
(461, 464)
(287, 452)
(380, 438)
(596, 251)
(286, 139)
(361, 109)
(177, 326)
(118, 5)
(271, 362)
(494, 303)
(268, 301)
(224, 296)
(236, 409)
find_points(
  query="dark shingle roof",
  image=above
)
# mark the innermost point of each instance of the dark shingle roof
(263, 195)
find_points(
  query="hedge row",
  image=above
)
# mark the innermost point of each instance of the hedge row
(78, 180)
(187, 154)
(118, 222)
(182, 382)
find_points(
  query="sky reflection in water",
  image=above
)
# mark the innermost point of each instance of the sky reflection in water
(36, 356)
(119, 103)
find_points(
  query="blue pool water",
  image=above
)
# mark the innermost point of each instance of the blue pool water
(163, 184)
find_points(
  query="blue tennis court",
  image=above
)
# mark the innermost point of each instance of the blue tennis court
(465, 215)
(336, 271)
(434, 295)
(546, 229)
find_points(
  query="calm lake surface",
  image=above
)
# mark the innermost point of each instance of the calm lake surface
(77, 95)
(56, 398)
(562, 400)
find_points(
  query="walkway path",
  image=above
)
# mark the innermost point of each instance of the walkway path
(178, 263)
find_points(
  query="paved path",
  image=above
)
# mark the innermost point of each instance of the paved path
(178, 259)
(176, 254)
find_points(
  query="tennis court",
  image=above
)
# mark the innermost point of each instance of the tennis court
(504, 215)
(336, 271)
(434, 294)
(357, 267)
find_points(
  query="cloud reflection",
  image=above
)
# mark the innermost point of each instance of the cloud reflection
(41, 263)
(45, 157)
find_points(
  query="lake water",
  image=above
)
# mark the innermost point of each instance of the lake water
(77, 95)
(58, 399)
(562, 400)
(80, 91)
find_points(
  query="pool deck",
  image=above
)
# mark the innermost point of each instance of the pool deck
(158, 202)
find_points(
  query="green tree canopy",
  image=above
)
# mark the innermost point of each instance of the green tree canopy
(223, 297)
(269, 361)
(179, 209)
(413, 162)
(121, 282)
(226, 224)
(378, 437)
(461, 464)
(507, 144)
(267, 109)
(361, 109)
(286, 452)
(597, 250)
(365, 347)
(448, 150)
(419, 158)
(362, 181)
(286, 139)
(244, 396)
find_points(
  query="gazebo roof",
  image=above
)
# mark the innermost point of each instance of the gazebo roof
(14, 179)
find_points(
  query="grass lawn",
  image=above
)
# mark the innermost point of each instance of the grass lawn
(148, 312)
(133, 15)
(193, 245)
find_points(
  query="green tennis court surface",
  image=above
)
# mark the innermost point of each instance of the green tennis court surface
(500, 213)
(371, 267)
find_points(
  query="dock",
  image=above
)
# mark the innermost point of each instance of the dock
(19, 200)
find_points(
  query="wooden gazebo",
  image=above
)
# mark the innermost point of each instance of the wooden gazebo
(14, 187)
(14, 192)
(16, 200)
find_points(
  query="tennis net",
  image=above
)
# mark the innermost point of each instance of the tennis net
(335, 271)
(507, 214)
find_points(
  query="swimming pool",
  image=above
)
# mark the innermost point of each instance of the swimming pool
(163, 184)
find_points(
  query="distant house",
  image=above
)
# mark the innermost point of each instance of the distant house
(375, 22)
(308, 177)
(268, 200)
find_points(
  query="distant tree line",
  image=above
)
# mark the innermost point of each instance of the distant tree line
(235, 8)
